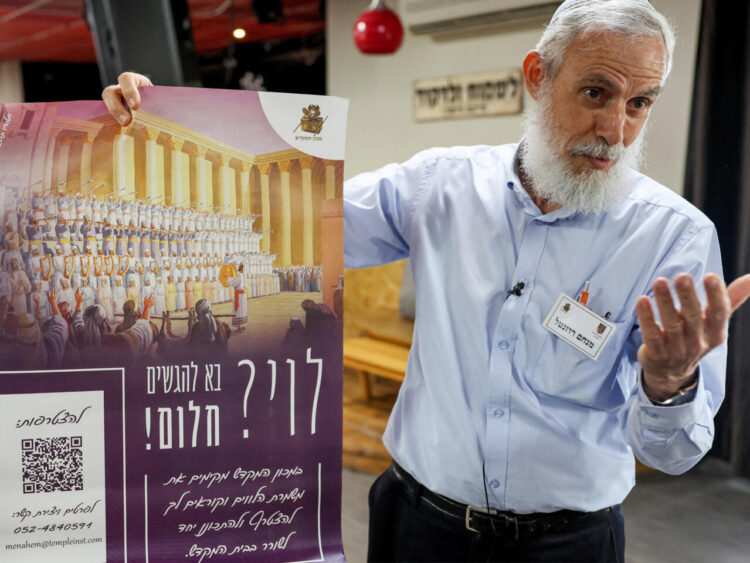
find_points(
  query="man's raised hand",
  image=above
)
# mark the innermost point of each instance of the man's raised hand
(670, 353)
(123, 97)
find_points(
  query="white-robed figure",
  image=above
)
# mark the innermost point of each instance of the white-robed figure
(215, 290)
(58, 266)
(180, 294)
(147, 290)
(239, 284)
(39, 302)
(20, 287)
(89, 297)
(160, 297)
(104, 295)
(119, 296)
(66, 294)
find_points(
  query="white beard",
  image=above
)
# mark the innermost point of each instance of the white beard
(552, 177)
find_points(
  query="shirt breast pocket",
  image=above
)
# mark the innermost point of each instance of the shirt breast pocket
(564, 372)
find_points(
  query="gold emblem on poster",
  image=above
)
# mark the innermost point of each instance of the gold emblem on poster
(312, 121)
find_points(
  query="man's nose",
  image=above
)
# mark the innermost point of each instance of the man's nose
(610, 125)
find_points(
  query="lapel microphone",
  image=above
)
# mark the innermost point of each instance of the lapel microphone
(515, 290)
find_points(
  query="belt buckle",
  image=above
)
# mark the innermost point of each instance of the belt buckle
(470, 509)
(509, 521)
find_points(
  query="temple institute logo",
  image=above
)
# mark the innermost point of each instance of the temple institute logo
(311, 121)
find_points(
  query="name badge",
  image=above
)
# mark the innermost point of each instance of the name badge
(578, 326)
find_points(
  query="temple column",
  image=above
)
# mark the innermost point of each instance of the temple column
(61, 162)
(154, 188)
(224, 191)
(49, 161)
(175, 145)
(199, 168)
(86, 148)
(285, 167)
(232, 186)
(209, 200)
(245, 186)
(123, 160)
(330, 179)
(265, 206)
(307, 210)
(120, 163)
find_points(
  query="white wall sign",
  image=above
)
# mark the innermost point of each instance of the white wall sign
(468, 95)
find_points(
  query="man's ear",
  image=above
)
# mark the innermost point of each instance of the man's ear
(533, 73)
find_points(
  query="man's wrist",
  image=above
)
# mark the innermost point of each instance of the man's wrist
(683, 394)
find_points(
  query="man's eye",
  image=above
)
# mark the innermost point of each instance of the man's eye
(593, 93)
(640, 103)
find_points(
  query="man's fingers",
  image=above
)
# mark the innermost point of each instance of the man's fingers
(717, 311)
(120, 98)
(652, 335)
(112, 96)
(129, 83)
(691, 312)
(739, 291)
(671, 320)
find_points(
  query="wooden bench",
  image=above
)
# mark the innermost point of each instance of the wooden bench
(373, 356)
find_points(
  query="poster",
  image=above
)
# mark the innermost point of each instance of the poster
(170, 329)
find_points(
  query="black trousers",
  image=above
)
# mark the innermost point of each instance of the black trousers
(405, 527)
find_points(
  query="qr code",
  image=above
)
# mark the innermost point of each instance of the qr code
(52, 464)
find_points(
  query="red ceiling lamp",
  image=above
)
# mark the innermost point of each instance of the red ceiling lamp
(378, 30)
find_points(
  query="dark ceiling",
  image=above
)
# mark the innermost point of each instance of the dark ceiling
(54, 30)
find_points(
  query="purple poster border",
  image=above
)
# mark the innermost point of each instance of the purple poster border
(111, 381)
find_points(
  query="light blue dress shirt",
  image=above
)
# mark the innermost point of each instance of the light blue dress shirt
(485, 382)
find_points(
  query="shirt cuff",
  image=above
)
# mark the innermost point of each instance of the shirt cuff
(672, 417)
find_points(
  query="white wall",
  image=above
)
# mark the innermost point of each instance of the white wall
(381, 128)
(11, 82)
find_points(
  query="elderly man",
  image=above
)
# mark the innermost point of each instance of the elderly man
(539, 364)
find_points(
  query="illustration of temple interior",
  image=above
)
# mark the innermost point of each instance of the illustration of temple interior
(163, 216)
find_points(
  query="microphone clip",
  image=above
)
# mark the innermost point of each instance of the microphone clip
(515, 290)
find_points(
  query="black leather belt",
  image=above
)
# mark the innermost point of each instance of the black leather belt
(482, 521)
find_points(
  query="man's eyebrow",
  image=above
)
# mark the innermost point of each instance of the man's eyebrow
(652, 92)
(602, 80)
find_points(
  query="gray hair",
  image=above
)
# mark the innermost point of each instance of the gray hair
(631, 18)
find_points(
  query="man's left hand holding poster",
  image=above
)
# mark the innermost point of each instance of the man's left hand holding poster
(170, 344)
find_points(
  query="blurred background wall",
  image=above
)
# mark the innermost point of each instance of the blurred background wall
(11, 81)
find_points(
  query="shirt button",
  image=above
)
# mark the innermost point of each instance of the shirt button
(510, 185)
(503, 345)
(498, 412)
(494, 483)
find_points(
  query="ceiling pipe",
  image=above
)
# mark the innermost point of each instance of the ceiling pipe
(21, 11)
